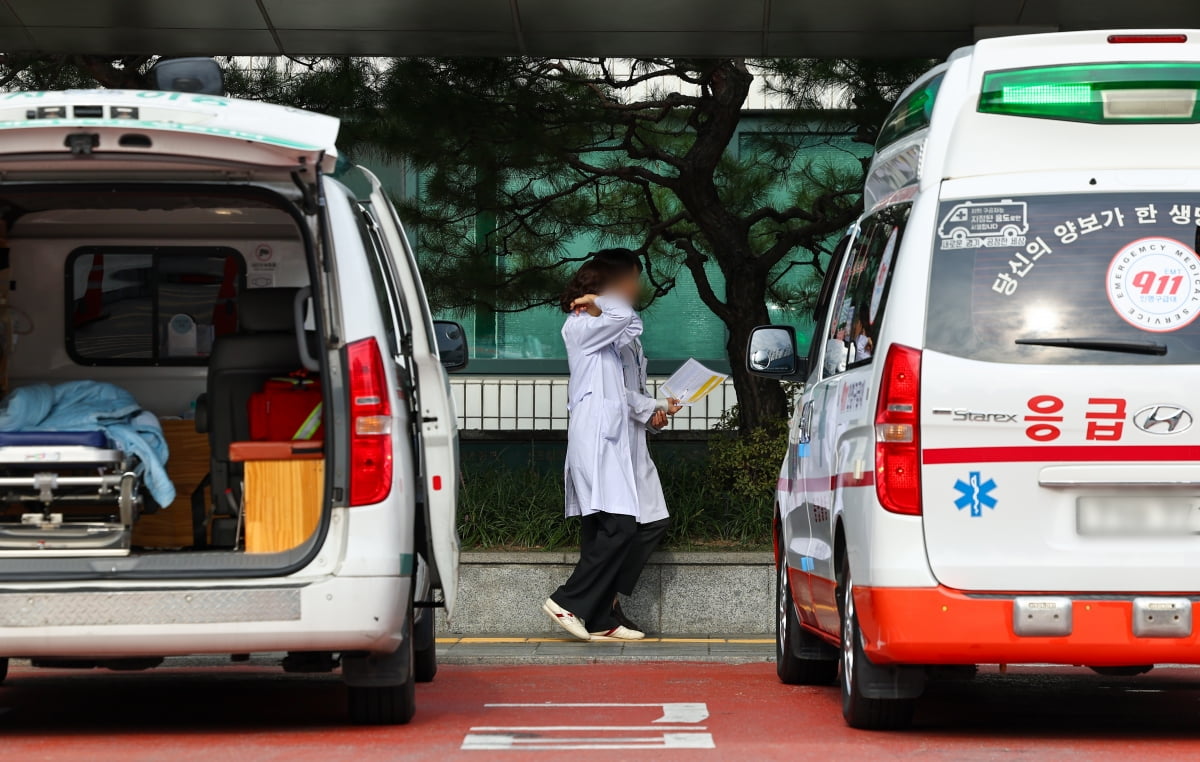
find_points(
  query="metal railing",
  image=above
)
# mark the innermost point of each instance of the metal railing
(539, 403)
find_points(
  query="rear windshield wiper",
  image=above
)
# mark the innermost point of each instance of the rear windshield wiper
(1129, 346)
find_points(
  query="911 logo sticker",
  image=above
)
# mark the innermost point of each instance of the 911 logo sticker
(1154, 284)
(975, 493)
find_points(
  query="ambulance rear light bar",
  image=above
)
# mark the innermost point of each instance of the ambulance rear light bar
(1125, 39)
(1105, 93)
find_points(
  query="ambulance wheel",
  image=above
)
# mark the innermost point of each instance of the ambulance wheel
(860, 711)
(127, 501)
(425, 663)
(3, 670)
(385, 704)
(801, 658)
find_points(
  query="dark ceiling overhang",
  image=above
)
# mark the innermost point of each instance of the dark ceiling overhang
(818, 28)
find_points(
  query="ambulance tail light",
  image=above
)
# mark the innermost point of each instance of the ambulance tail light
(898, 432)
(1103, 93)
(371, 424)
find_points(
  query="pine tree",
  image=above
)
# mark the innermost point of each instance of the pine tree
(520, 157)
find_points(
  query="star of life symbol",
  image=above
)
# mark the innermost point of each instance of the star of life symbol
(975, 493)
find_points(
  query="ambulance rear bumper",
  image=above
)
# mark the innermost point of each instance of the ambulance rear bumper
(111, 620)
(943, 626)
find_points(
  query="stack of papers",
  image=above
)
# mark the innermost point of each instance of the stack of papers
(692, 382)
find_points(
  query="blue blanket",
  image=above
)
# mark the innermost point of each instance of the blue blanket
(95, 406)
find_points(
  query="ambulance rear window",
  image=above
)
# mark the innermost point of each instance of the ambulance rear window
(158, 305)
(1114, 277)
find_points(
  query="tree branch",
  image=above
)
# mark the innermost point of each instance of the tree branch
(694, 261)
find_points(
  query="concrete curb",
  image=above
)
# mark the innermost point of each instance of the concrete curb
(564, 651)
(730, 593)
(493, 660)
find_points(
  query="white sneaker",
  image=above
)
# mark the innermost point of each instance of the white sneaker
(565, 619)
(618, 633)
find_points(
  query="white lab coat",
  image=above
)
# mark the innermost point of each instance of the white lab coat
(599, 472)
(652, 505)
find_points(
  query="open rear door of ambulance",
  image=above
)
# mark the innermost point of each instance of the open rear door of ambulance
(147, 133)
(438, 421)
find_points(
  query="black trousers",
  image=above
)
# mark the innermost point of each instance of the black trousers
(644, 543)
(606, 539)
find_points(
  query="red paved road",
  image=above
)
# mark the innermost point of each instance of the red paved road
(260, 714)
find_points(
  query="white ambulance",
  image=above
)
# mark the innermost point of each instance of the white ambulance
(996, 457)
(196, 254)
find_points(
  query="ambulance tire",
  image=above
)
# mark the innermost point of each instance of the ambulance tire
(860, 711)
(387, 704)
(425, 664)
(801, 658)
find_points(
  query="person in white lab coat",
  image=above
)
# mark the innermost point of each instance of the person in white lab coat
(599, 477)
(646, 415)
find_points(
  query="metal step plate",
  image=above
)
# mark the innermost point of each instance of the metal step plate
(1043, 616)
(1162, 617)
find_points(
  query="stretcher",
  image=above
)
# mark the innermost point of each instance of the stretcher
(67, 493)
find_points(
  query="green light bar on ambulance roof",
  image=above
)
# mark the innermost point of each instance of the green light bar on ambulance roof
(1112, 93)
(1046, 94)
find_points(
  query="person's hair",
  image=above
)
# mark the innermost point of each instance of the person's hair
(593, 277)
(623, 257)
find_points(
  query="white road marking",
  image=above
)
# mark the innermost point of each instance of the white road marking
(527, 728)
(666, 730)
(672, 712)
(499, 742)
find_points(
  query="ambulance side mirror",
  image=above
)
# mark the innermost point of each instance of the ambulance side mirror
(451, 344)
(771, 353)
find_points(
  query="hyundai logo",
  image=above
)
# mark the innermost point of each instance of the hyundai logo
(1162, 419)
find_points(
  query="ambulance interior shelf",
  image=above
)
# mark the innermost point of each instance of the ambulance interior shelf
(283, 487)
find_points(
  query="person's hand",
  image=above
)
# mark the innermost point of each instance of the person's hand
(586, 303)
(659, 420)
(673, 406)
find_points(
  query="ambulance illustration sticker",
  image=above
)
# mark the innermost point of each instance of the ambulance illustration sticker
(1154, 284)
(972, 225)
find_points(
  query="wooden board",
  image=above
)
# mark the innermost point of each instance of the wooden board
(187, 466)
(283, 503)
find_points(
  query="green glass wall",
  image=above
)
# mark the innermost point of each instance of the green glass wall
(678, 325)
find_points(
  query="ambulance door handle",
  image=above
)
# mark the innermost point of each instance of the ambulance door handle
(804, 427)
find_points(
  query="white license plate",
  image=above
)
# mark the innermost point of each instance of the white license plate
(1138, 516)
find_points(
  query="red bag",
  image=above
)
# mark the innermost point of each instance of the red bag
(287, 409)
